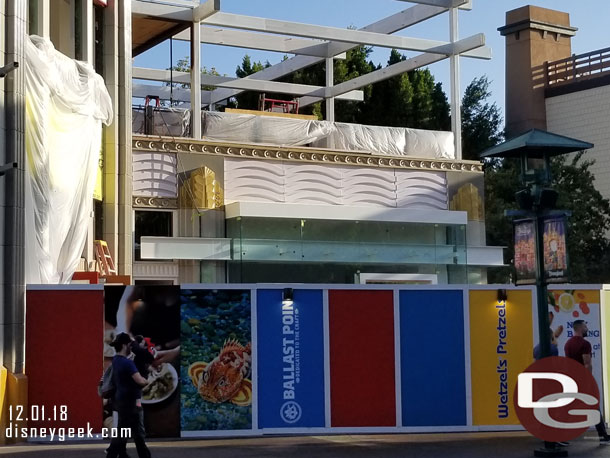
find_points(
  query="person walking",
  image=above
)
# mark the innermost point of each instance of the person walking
(579, 349)
(127, 399)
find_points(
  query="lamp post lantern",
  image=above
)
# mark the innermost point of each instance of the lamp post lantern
(537, 200)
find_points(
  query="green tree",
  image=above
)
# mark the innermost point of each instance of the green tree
(412, 99)
(588, 246)
(481, 120)
(248, 100)
(184, 65)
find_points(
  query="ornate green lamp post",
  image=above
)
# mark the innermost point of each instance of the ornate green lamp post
(537, 200)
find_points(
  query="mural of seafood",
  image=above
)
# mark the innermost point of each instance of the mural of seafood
(225, 378)
(216, 361)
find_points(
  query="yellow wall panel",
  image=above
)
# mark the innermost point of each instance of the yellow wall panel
(501, 345)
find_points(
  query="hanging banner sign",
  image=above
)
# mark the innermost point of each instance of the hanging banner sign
(525, 252)
(555, 251)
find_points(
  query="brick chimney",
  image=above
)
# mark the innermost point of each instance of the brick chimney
(534, 36)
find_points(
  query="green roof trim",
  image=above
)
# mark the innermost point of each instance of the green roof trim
(536, 143)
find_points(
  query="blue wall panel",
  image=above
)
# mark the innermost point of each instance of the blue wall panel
(290, 360)
(432, 358)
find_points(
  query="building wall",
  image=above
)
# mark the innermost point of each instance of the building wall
(534, 36)
(585, 115)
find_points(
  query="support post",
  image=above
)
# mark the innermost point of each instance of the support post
(454, 61)
(196, 79)
(330, 79)
(118, 215)
(87, 32)
(12, 188)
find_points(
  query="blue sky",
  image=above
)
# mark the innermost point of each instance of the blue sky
(591, 17)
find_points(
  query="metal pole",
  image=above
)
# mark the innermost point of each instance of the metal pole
(550, 448)
(454, 71)
(12, 267)
(196, 79)
(541, 290)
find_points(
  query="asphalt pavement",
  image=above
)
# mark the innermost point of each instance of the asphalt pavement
(458, 445)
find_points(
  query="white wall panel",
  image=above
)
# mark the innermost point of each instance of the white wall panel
(319, 184)
(154, 174)
(421, 189)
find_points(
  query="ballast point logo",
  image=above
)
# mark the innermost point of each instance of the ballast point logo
(557, 399)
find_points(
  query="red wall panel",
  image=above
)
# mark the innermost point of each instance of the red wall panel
(64, 354)
(361, 326)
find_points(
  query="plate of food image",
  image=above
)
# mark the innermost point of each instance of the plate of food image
(162, 382)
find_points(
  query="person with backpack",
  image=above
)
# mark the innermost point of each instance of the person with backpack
(128, 383)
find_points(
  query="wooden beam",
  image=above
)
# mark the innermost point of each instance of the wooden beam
(179, 27)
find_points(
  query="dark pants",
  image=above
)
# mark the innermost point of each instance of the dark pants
(133, 418)
(601, 427)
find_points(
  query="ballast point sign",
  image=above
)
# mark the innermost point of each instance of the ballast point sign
(501, 345)
(290, 352)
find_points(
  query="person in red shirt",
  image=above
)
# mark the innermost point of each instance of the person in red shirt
(579, 349)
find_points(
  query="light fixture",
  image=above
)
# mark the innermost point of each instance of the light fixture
(502, 296)
(287, 296)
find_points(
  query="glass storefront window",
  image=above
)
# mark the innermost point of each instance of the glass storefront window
(151, 223)
(332, 251)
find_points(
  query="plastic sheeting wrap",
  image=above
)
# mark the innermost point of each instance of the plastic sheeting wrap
(66, 104)
(240, 128)
(391, 141)
(172, 122)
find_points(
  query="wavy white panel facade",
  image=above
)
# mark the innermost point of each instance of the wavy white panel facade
(320, 184)
(424, 190)
(367, 186)
(154, 174)
(253, 181)
(313, 184)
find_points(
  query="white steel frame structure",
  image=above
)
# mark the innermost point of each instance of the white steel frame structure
(310, 44)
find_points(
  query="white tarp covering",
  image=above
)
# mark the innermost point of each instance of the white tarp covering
(171, 122)
(66, 104)
(246, 128)
(391, 141)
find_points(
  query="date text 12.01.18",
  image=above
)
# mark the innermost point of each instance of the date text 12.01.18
(38, 413)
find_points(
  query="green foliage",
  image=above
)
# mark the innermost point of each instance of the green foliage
(481, 120)
(589, 225)
(411, 99)
(248, 100)
(588, 246)
(184, 65)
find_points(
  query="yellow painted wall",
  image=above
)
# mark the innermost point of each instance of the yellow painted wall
(13, 392)
(497, 356)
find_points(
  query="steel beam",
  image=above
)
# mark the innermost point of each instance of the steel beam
(141, 8)
(236, 83)
(205, 9)
(399, 21)
(164, 93)
(393, 70)
(260, 41)
(356, 37)
(462, 4)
